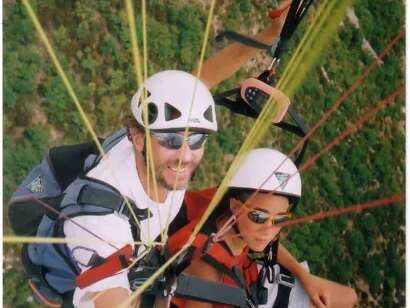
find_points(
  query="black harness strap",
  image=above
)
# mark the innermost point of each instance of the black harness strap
(69, 155)
(194, 288)
(111, 201)
(297, 11)
(286, 282)
(240, 107)
(99, 197)
(234, 273)
(237, 37)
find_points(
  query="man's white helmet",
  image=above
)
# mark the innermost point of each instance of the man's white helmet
(258, 171)
(169, 98)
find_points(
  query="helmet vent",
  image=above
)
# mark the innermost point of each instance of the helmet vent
(152, 113)
(142, 94)
(282, 178)
(171, 113)
(208, 114)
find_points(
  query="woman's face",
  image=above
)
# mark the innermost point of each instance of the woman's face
(257, 236)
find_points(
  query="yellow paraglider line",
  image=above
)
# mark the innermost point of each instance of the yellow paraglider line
(11, 239)
(186, 131)
(70, 90)
(132, 264)
(141, 76)
(261, 125)
(258, 130)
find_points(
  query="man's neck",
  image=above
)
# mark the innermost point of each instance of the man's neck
(153, 189)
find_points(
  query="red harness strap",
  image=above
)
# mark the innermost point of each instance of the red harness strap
(196, 202)
(216, 251)
(112, 264)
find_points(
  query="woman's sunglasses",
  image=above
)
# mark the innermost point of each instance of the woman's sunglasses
(260, 217)
(174, 141)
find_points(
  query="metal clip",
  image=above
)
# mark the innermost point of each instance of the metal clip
(286, 280)
(250, 303)
(274, 45)
(123, 210)
(209, 243)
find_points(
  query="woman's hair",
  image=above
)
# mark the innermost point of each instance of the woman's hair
(241, 194)
(223, 208)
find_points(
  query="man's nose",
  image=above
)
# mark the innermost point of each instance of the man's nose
(186, 154)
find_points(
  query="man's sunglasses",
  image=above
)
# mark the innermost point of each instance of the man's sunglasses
(260, 217)
(174, 141)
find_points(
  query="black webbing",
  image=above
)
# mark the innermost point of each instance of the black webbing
(110, 201)
(235, 274)
(99, 197)
(297, 11)
(238, 106)
(69, 155)
(219, 96)
(241, 107)
(282, 297)
(237, 37)
(194, 288)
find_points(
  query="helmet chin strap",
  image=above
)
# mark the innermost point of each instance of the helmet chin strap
(236, 229)
(267, 257)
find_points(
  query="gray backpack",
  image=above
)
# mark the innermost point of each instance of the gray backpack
(53, 189)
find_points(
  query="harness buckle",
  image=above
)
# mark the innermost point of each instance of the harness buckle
(123, 208)
(209, 243)
(250, 303)
(286, 280)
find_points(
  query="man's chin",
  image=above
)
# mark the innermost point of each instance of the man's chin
(171, 185)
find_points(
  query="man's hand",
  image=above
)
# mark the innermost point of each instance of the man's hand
(226, 62)
(115, 297)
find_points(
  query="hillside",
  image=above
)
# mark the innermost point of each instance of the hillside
(92, 41)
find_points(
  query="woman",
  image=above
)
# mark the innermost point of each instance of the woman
(261, 194)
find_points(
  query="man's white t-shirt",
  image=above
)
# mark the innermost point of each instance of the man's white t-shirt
(119, 170)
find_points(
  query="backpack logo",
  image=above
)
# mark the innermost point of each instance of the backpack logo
(36, 186)
(282, 178)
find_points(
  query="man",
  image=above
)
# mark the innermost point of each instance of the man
(168, 103)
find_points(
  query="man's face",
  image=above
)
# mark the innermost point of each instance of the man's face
(166, 162)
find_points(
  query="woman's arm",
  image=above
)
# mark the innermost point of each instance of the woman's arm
(291, 264)
(323, 293)
(112, 298)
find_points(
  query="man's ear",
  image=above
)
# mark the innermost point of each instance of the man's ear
(137, 138)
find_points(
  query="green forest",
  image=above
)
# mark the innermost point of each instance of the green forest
(91, 38)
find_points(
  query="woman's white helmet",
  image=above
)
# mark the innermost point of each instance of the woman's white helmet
(169, 97)
(268, 170)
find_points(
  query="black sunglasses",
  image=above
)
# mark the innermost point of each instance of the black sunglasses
(174, 141)
(260, 217)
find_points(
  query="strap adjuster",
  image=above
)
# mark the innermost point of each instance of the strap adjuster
(208, 244)
(286, 280)
(123, 209)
